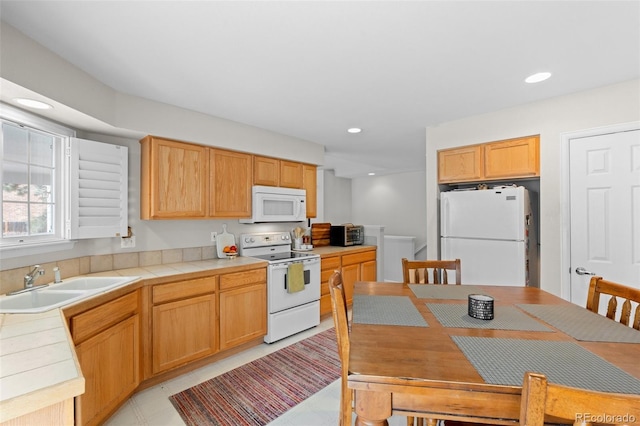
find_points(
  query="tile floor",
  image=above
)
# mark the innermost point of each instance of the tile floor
(152, 407)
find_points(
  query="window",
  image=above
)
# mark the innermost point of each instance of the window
(31, 157)
(56, 187)
(28, 179)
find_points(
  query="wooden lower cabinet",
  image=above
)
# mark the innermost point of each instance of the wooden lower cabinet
(359, 266)
(328, 265)
(184, 323)
(107, 340)
(243, 307)
(113, 350)
(243, 315)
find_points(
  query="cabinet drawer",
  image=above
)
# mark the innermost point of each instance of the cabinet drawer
(330, 263)
(183, 289)
(97, 319)
(325, 274)
(350, 259)
(324, 288)
(238, 279)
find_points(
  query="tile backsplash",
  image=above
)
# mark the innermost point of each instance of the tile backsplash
(12, 279)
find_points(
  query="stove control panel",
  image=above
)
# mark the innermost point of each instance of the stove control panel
(265, 239)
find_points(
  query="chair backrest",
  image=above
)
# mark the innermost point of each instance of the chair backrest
(580, 406)
(599, 286)
(340, 319)
(429, 271)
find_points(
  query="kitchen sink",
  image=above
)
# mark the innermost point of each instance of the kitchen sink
(91, 283)
(38, 301)
(60, 294)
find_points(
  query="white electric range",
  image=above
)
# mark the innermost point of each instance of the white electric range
(288, 313)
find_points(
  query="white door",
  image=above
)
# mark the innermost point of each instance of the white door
(605, 210)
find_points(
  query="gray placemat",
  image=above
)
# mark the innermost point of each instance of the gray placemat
(443, 291)
(504, 362)
(386, 310)
(582, 324)
(504, 318)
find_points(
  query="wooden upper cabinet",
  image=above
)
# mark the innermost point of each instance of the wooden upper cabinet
(460, 164)
(174, 179)
(507, 159)
(290, 174)
(231, 181)
(512, 158)
(309, 182)
(266, 171)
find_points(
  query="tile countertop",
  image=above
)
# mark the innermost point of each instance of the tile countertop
(38, 364)
(333, 250)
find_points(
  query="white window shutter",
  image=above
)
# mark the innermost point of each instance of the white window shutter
(98, 189)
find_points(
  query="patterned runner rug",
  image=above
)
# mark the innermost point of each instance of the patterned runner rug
(262, 390)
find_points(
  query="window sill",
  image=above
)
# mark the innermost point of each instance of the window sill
(10, 252)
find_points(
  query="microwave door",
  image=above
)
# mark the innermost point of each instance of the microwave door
(277, 208)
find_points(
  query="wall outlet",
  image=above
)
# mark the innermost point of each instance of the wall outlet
(129, 242)
(214, 234)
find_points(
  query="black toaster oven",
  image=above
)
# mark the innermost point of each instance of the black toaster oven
(346, 235)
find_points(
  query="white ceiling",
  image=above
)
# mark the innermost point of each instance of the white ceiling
(311, 69)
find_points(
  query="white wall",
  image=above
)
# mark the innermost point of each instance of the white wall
(613, 104)
(397, 201)
(29, 65)
(337, 199)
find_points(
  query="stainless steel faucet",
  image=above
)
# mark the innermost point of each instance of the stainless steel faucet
(31, 276)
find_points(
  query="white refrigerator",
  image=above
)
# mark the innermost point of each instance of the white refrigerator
(491, 231)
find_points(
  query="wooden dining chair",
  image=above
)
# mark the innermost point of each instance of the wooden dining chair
(430, 271)
(579, 406)
(598, 286)
(341, 324)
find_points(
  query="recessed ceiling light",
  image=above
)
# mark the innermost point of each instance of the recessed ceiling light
(354, 130)
(538, 77)
(371, 174)
(32, 103)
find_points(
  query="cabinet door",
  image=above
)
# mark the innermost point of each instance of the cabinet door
(266, 171)
(328, 265)
(183, 331)
(368, 271)
(350, 274)
(512, 158)
(173, 182)
(231, 180)
(243, 315)
(290, 174)
(309, 181)
(110, 364)
(460, 164)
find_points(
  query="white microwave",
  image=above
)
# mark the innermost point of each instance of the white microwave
(275, 204)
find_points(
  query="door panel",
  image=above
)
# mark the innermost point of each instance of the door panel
(605, 209)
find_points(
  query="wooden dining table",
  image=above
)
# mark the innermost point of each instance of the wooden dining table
(426, 369)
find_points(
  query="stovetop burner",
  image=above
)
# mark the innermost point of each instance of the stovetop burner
(284, 256)
(274, 247)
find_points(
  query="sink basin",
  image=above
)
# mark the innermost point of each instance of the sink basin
(37, 301)
(91, 283)
(60, 294)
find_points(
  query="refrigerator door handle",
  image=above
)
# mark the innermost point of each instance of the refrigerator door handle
(445, 216)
